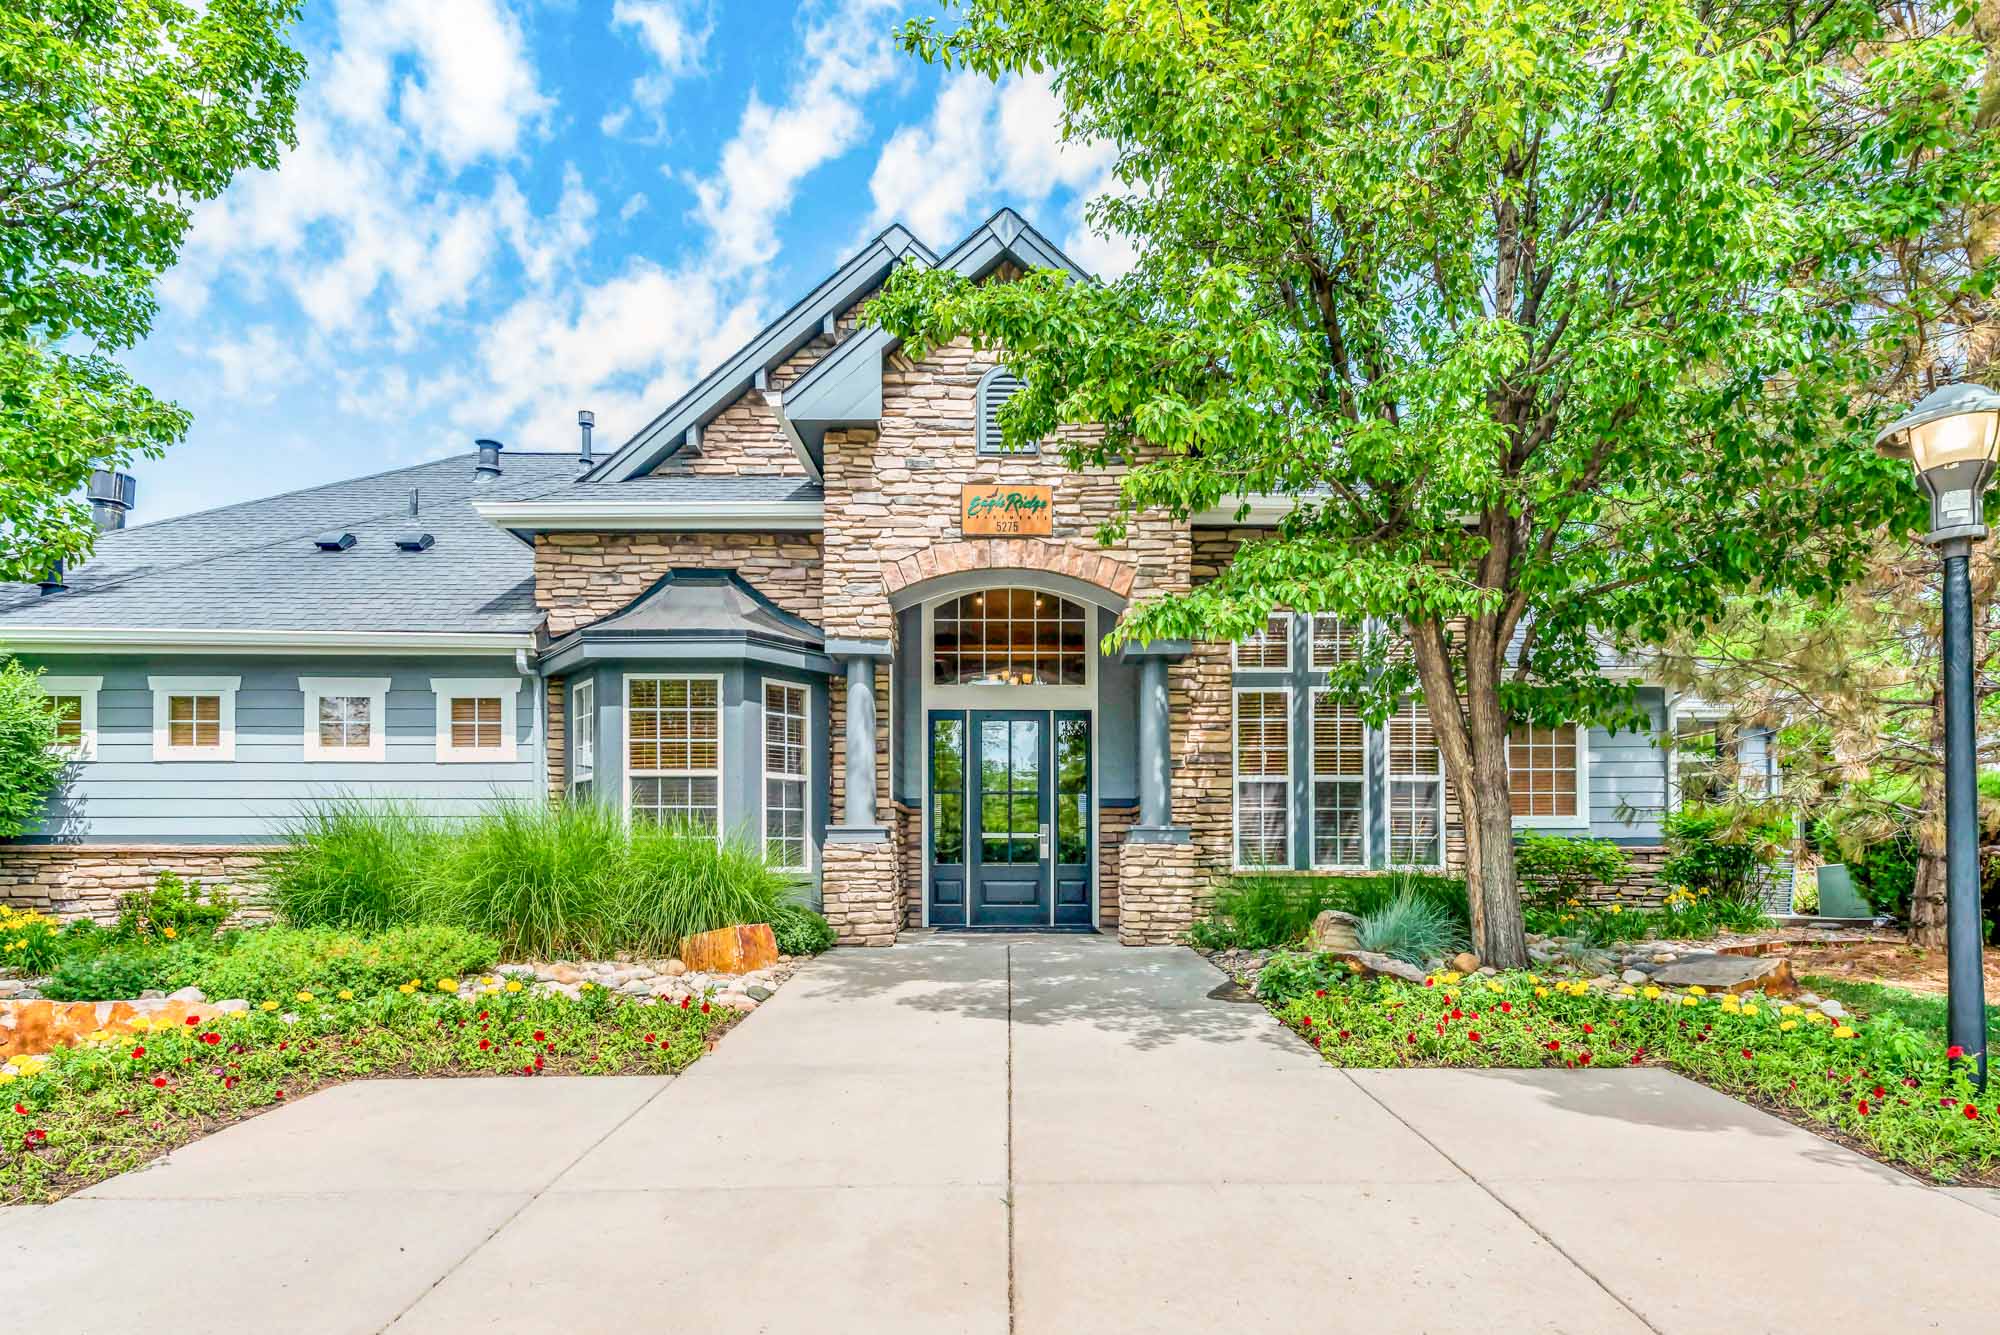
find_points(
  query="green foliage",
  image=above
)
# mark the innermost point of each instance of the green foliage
(30, 763)
(800, 931)
(1687, 915)
(99, 1112)
(1882, 1083)
(1883, 868)
(1554, 869)
(1721, 850)
(30, 942)
(1877, 1001)
(544, 880)
(276, 963)
(1412, 928)
(115, 119)
(1285, 977)
(174, 909)
(346, 863)
(117, 973)
(1260, 912)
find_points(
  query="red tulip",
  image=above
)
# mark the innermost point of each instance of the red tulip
(138, 1052)
(1343, 1033)
(482, 1015)
(1954, 1053)
(1457, 1014)
(651, 1039)
(485, 1043)
(159, 1082)
(704, 1008)
(1588, 1030)
(21, 1108)
(541, 1037)
(1474, 1035)
(279, 1094)
(1412, 1038)
(1306, 1020)
(1746, 1054)
(1553, 1045)
(1971, 1113)
(211, 1038)
(1862, 1107)
(1507, 1007)
(229, 1082)
(192, 1020)
(686, 1002)
(1320, 993)
(1584, 1058)
(1879, 1092)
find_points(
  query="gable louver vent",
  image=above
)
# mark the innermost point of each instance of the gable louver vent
(995, 388)
(334, 542)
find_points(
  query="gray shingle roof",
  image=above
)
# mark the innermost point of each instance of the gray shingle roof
(253, 566)
(692, 487)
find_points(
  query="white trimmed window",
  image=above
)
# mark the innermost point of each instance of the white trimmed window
(583, 740)
(1339, 784)
(73, 700)
(1415, 789)
(1263, 778)
(194, 718)
(1545, 775)
(673, 751)
(787, 780)
(475, 719)
(347, 718)
(1334, 642)
(1269, 649)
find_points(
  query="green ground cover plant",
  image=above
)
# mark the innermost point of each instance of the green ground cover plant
(800, 931)
(1879, 1001)
(543, 880)
(91, 1112)
(1879, 1083)
(1687, 915)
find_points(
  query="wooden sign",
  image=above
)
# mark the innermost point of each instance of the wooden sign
(997, 510)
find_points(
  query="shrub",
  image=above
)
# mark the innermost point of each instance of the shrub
(677, 882)
(1286, 977)
(1264, 912)
(30, 764)
(543, 879)
(1553, 869)
(173, 909)
(1411, 928)
(1363, 895)
(1725, 851)
(29, 941)
(352, 864)
(276, 963)
(800, 931)
(122, 972)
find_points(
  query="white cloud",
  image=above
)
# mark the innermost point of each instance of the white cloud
(985, 145)
(846, 54)
(634, 205)
(674, 42)
(256, 367)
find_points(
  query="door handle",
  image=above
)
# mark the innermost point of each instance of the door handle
(1045, 841)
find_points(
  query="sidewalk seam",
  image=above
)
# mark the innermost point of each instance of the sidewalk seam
(533, 1196)
(1506, 1205)
(1010, 1138)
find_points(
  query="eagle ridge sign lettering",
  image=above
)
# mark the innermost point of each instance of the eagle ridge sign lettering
(1000, 510)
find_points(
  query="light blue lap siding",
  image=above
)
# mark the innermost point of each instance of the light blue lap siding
(125, 796)
(1628, 776)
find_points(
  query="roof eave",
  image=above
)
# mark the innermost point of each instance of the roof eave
(185, 640)
(554, 516)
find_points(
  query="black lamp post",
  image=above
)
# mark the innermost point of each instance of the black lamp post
(1951, 438)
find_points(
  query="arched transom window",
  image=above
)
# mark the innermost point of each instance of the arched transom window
(1009, 637)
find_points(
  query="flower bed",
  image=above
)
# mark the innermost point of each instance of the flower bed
(79, 1115)
(1878, 1086)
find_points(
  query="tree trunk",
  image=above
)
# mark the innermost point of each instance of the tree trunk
(1927, 896)
(1473, 741)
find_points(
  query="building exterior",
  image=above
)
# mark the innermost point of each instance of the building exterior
(814, 602)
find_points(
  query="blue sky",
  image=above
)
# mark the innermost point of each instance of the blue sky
(500, 212)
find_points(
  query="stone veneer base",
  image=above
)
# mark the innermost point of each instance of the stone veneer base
(862, 899)
(1162, 889)
(86, 880)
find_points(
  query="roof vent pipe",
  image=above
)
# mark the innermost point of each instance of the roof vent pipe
(413, 539)
(489, 458)
(53, 581)
(585, 420)
(111, 495)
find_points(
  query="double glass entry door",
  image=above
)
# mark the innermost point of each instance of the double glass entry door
(1010, 838)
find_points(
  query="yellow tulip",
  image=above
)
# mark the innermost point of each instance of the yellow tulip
(513, 985)
(1651, 994)
(346, 994)
(1541, 991)
(1749, 1010)
(1789, 1009)
(268, 1006)
(305, 995)
(447, 984)
(1690, 1001)
(405, 989)
(1786, 1026)
(1843, 1031)
(1698, 990)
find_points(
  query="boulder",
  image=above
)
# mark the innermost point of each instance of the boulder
(1334, 930)
(1731, 973)
(731, 950)
(1367, 961)
(1634, 976)
(1465, 962)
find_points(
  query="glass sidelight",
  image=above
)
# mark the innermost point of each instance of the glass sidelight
(947, 820)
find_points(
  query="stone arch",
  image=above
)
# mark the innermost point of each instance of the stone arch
(1105, 573)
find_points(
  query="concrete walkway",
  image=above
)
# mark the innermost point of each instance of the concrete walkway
(1010, 1134)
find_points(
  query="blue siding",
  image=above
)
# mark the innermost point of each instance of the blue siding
(1628, 776)
(125, 796)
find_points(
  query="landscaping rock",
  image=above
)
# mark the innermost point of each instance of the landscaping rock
(675, 968)
(731, 950)
(1367, 961)
(233, 1006)
(1731, 973)
(1465, 962)
(1334, 930)
(188, 994)
(563, 973)
(758, 993)
(1832, 1009)
(1633, 976)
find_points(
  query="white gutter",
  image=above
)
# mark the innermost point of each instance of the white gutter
(654, 516)
(174, 640)
(1264, 511)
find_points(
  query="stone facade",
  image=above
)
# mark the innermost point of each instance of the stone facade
(862, 900)
(581, 577)
(558, 748)
(1162, 889)
(1112, 823)
(87, 880)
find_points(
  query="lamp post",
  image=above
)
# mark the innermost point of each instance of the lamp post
(1951, 438)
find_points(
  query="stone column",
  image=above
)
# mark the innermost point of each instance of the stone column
(858, 888)
(1158, 881)
(1155, 761)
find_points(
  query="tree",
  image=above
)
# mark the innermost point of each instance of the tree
(30, 763)
(1545, 315)
(115, 118)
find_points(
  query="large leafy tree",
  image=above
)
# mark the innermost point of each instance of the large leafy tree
(1546, 315)
(115, 117)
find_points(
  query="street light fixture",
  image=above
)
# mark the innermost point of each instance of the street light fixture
(1952, 439)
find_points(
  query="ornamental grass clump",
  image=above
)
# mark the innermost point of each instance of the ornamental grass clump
(1412, 928)
(348, 863)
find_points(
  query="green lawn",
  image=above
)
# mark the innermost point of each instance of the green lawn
(1918, 1010)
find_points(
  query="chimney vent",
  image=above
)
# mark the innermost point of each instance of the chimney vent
(111, 495)
(585, 420)
(413, 539)
(489, 458)
(334, 542)
(53, 581)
